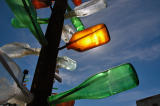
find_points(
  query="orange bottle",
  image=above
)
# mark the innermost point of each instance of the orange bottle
(41, 4)
(70, 103)
(77, 2)
(89, 38)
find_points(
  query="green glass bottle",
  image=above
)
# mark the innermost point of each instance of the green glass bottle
(76, 21)
(26, 17)
(101, 85)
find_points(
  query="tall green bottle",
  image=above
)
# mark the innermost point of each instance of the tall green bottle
(76, 21)
(101, 85)
(26, 17)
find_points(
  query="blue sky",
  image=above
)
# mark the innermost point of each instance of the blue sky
(135, 37)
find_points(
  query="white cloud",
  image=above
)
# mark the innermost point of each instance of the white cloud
(143, 54)
(69, 78)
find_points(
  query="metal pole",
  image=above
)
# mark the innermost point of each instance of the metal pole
(44, 74)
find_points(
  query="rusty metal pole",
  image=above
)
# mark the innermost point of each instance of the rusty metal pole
(44, 74)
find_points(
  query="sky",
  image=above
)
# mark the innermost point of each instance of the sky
(135, 38)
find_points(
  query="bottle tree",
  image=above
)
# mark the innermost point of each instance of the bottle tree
(101, 85)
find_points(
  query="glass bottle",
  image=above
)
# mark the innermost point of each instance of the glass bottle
(89, 38)
(101, 85)
(76, 21)
(26, 17)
